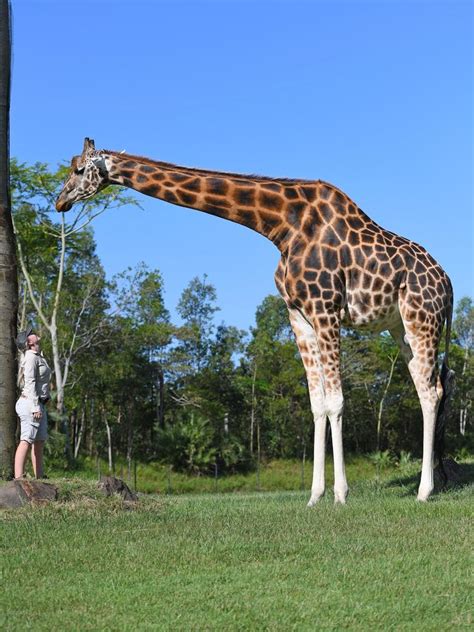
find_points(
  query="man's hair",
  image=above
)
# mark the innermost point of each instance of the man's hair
(21, 340)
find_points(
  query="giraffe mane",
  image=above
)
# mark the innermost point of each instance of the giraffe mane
(210, 172)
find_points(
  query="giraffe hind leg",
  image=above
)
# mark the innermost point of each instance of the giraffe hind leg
(418, 341)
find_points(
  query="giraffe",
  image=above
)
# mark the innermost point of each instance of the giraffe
(337, 267)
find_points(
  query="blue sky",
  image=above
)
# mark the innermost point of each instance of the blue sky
(375, 97)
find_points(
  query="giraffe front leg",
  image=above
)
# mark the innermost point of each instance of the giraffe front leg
(318, 484)
(335, 406)
(308, 346)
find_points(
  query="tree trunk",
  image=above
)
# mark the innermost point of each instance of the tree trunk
(80, 433)
(465, 403)
(160, 413)
(252, 409)
(73, 424)
(90, 449)
(393, 361)
(109, 443)
(258, 455)
(8, 270)
(129, 444)
(23, 299)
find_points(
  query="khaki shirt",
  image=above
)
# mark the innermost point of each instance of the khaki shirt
(35, 375)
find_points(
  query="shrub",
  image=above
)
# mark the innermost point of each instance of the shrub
(188, 445)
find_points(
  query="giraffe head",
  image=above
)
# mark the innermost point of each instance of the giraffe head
(87, 176)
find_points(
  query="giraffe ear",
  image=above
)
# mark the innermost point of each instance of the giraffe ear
(88, 147)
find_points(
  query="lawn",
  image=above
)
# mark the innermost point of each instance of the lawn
(279, 475)
(241, 561)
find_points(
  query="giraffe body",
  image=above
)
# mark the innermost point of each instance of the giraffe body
(337, 267)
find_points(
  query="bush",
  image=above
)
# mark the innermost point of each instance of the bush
(188, 445)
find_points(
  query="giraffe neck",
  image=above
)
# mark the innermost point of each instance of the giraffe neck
(256, 202)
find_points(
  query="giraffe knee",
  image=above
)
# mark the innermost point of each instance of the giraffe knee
(334, 404)
(317, 404)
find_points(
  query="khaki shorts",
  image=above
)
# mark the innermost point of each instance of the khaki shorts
(31, 429)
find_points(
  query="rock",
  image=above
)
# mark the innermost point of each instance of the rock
(110, 485)
(21, 492)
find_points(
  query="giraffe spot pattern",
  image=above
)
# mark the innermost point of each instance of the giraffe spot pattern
(335, 260)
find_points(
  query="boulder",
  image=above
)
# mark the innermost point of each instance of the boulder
(21, 492)
(110, 485)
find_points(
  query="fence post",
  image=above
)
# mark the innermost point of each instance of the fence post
(169, 490)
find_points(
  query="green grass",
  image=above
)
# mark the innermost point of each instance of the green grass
(281, 475)
(241, 561)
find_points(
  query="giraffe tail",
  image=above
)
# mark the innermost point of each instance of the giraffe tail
(447, 382)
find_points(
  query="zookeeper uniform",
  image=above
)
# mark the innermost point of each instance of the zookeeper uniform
(35, 376)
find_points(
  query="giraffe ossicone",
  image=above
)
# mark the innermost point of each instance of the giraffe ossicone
(336, 263)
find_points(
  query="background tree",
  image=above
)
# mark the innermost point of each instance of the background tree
(197, 307)
(463, 333)
(60, 275)
(8, 280)
(280, 418)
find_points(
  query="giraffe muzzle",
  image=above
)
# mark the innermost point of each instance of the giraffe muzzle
(63, 205)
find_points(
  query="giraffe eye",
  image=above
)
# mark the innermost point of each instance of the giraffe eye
(79, 170)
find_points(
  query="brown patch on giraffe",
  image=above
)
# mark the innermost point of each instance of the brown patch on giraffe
(325, 212)
(217, 186)
(248, 218)
(313, 259)
(216, 201)
(194, 185)
(295, 212)
(330, 258)
(154, 190)
(330, 238)
(178, 177)
(270, 201)
(291, 193)
(345, 256)
(325, 191)
(354, 238)
(272, 186)
(309, 192)
(245, 197)
(189, 199)
(171, 197)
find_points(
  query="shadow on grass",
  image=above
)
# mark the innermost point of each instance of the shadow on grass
(459, 475)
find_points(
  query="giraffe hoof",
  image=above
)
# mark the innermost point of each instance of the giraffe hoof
(424, 494)
(422, 498)
(340, 497)
(315, 498)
